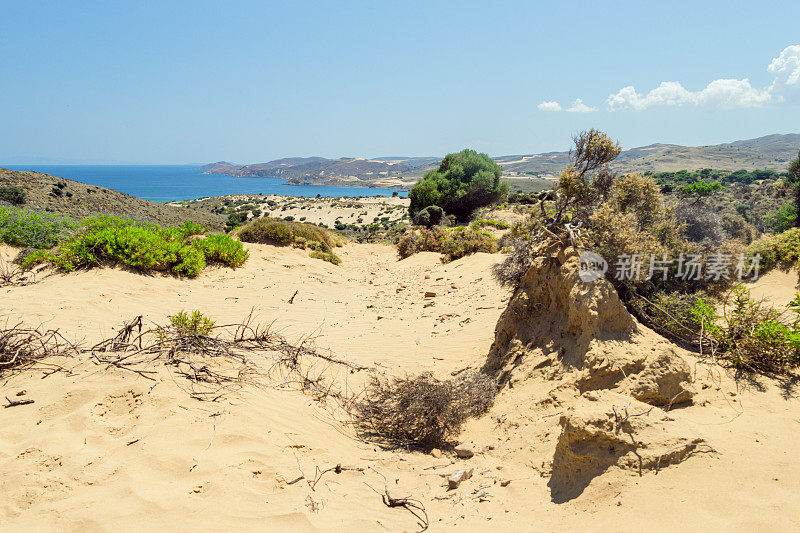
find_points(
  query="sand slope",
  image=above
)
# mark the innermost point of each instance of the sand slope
(105, 449)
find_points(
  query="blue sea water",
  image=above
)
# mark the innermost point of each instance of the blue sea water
(166, 183)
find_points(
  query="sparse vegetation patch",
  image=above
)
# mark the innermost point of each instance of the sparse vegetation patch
(319, 241)
(453, 243)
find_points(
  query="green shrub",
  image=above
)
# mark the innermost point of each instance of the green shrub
(222, 249)
(782, 218)
(142, 246)
(464, 182)
(453, 243)
(482, 223)
(330, 257)
(288, 233)
(13, 194)
(26, 227)
(699, 189)
(751, 336)
(235, 220)
(430, 216)
(195, 324)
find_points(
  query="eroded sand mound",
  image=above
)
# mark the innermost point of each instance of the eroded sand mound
(557, 324)
(572, 344)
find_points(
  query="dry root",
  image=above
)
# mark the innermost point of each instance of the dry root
(224, 357)
(21, 346)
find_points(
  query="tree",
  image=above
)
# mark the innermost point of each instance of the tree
(464, 182)
(794, 179)
(699, 189)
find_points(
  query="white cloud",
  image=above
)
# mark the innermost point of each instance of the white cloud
(719, 94)
(786, 70)
(549, 106)
(668, 93)
(579, 107)
(726, 93)
(732, 93)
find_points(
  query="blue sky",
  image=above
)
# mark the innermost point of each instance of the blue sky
(176, 82)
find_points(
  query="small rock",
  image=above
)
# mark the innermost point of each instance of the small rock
(436, 453)
(455, 479)
(430, 294)
(505, 482)
(427, 276)
(591, 395)
(465, 450)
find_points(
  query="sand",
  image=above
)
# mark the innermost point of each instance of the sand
(106, 449)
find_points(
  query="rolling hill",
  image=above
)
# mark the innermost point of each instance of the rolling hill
(772, 152)
(78, 200)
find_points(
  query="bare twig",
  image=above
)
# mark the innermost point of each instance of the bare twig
(14, 403)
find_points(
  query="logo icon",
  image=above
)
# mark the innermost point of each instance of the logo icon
(591, 266)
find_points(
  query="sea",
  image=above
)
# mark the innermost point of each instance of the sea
(168, 183)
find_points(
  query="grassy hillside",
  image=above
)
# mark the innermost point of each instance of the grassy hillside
(79, 200)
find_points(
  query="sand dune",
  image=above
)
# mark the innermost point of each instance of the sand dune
(107, 449)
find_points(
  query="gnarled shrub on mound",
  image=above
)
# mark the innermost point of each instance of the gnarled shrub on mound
(453, 243)
(143, 246)
(319, 241)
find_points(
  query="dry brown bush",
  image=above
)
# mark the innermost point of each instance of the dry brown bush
(421, 411)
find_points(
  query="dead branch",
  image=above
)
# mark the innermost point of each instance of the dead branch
(413, 506)
(14, 403)
(337, 469)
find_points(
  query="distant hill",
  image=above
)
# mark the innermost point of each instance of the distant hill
(319, 170)
(80, 200)
(773, 152)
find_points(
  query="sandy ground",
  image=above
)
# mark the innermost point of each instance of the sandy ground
(105, 449)
(776, 287)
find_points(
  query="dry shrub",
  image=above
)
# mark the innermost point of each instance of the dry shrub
(217, 359)
(614, 234)
(21, 346)
(522, 241)
(738, 228)
(286, 233)
(421, 411)
(509, 272)
(700, 225)
(453, 243)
